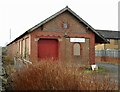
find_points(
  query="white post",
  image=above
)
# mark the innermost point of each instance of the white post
(94, 67)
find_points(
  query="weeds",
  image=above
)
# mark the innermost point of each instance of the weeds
(49, 75)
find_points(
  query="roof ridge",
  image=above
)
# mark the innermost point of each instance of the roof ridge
(55, 15)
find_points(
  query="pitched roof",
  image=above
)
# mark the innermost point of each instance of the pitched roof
(97, 35)
(108, 34)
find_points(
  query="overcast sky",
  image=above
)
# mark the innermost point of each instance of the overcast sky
(21, 15)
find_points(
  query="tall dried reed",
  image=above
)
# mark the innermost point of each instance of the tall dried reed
(49, 75)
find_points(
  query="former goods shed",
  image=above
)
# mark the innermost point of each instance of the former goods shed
(63, 36)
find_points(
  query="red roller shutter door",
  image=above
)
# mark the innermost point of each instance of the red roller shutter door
(48, 48)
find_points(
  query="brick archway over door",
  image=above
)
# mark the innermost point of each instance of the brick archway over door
(48, 48)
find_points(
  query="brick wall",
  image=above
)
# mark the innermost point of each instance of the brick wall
(107, 59)
(54, 29)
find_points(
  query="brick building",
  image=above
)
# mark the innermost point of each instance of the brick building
(63, 36)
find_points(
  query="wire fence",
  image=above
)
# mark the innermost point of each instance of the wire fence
(108, 53)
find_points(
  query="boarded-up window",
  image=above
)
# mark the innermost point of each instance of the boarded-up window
(23, 48)
(76, 49)
(17, 47)
(26, 47)
(27, 44)
(20, 47)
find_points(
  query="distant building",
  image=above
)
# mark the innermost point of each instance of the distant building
(113, 37)
(63, 36)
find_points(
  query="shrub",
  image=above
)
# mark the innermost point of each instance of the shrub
(8, 64)
(8, 60)
(49, 75)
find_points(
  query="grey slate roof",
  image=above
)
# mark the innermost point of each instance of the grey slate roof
(108, 34)
(98, 37)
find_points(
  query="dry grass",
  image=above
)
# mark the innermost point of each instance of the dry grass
(48, 75)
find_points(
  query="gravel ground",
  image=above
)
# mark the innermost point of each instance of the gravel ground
(110, 69)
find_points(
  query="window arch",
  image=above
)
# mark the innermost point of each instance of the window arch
(76, 49)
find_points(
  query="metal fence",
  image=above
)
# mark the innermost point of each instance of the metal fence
(108, 53)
